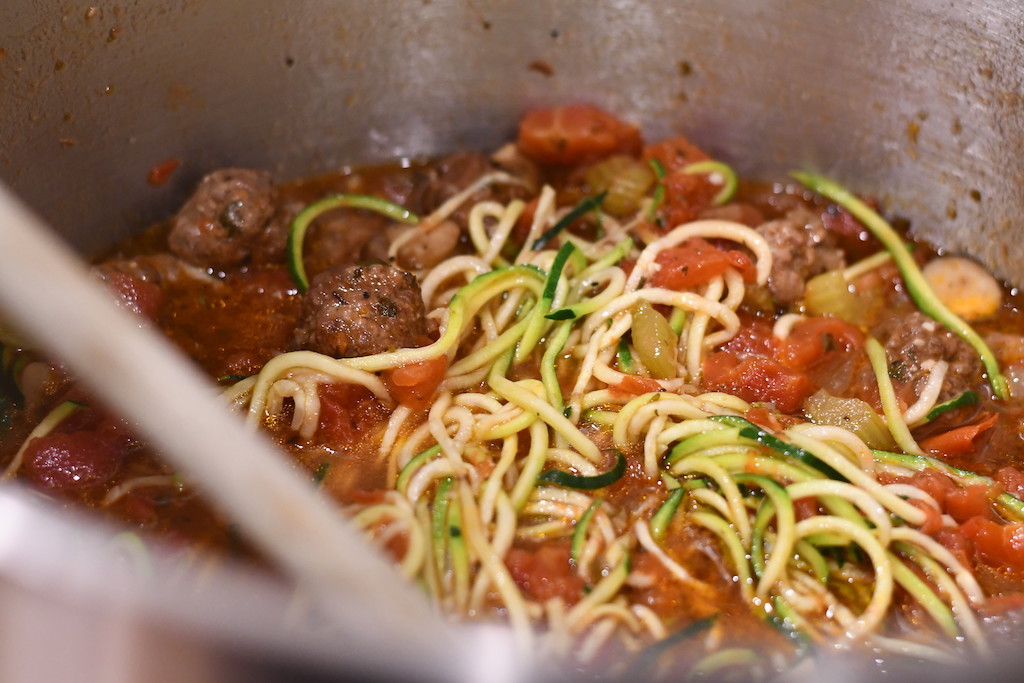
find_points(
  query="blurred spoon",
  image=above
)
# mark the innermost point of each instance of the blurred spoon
(48, 294)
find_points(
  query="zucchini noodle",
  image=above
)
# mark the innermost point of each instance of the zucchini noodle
(644, 437)
(929, 395)
(893, 415)
(45, 426)
(544, 380)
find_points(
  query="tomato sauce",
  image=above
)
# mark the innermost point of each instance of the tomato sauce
(232, 322)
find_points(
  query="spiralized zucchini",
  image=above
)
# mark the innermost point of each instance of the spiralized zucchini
(558, 343)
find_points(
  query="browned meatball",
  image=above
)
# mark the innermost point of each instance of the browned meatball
(801, 248)
(914, 343)
(452, 174)
(361, 310)
(345, 236)
(230, 220)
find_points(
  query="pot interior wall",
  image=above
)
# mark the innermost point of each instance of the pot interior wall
(915, 102)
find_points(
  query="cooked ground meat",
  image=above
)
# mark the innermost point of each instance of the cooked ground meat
(801, 248)
(231, 219)
(449, 176)
(360, 310)
(454, 173)
(914, 343)
(345, 236)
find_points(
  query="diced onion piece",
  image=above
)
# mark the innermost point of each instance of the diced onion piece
(829, 294)
(654, 341)
(964, 286)
(851, 414)
(626, 179)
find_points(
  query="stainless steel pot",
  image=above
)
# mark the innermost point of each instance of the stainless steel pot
(916, 102)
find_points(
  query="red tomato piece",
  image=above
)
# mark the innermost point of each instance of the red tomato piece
(414, 385)
(674, 153)
(73, 461)
(544, 572)
(959, 440)
(634, 385)
(525, 221)
(754, 338)
(955, 542)
(347, 412)
(1011, 479)
(756, 378)
(757, 366)
(686, 195)
(762, 417)
(692, 263)
(961, 502)
(137, 295)
(805, 508)
(855, 239)
(997, 544)
(162, 172)
(935, 484)
(575, 134)
(933, 518)
(964, 502)
(812, 339)
(744, 264)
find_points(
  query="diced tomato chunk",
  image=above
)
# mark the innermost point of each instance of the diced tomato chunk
(961, 502)
(575, 134)
(744, 264)
(1001, 545)
(414, 385)
(935, 484)
(933, 518)
(686, 195)
(544, 572)
(805, 508)
(754, 338)
(855, 239)
(762, 417)
(634, 385)
(1011, 479)
(756, 378)
(162, 172)
(955, 542)
(964, 502)
(137, 295)
(757, 366)
(74, 461)
(959, 440)
(812, 339)
(696, 262)
(674, 153)
(525, 221)
(347, 412)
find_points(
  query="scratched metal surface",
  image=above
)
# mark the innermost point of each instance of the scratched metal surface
(916, 101)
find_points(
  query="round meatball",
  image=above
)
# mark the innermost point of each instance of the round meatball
(355, 311)
(801, 248)
(914, 343)
(452, 174)
(230, 220)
